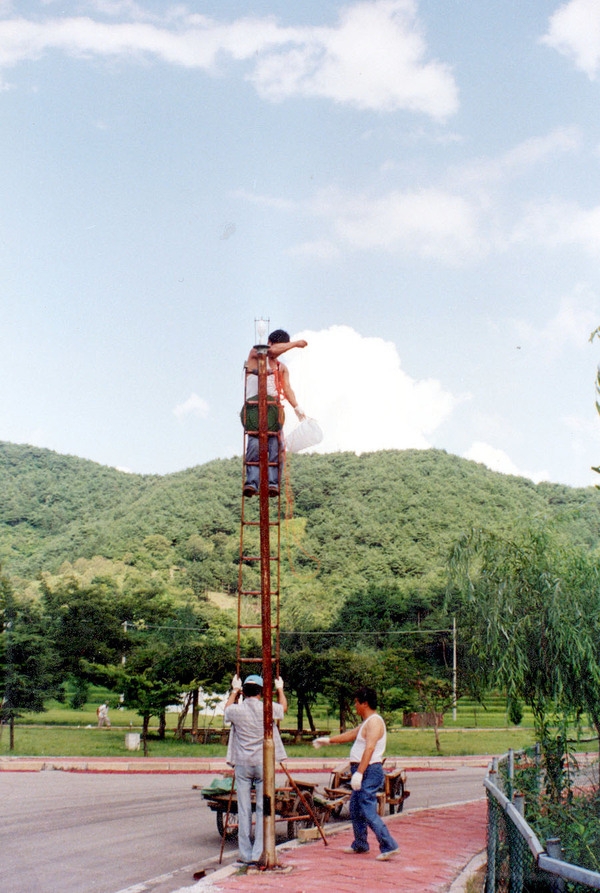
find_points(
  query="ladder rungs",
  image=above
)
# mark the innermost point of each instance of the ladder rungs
(249, 564)
(254, 660)
(257, 523)
(255, 462)
(257, 433)
(256, 592)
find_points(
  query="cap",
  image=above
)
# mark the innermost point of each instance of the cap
(256, 680)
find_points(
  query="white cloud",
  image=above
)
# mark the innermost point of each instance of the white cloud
(574, 31)
(428, 222)
(521, 158)
(583, 427)
(537, 149)
(374, 57)
(498, 460)
(569, 328)
(194, 406)
(356, 389)
(554, 223)
(468, 216)
(465, 219)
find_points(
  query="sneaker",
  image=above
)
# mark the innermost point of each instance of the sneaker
(383, 857)
(350, 851)
(249, 490)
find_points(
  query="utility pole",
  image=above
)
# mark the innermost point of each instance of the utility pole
(269, 856)
(454, 669)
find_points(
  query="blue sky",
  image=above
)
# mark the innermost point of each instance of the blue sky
(413, 185)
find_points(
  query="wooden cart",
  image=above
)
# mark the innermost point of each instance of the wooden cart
(289, 807)
(391, 797)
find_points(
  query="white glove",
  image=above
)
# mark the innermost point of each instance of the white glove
(279, 683)
(236, 683)
(356, 781)
(300, 413)
(320, 742)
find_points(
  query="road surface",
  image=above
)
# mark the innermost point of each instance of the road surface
(65, 832)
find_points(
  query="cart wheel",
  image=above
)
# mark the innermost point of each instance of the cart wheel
(232, 828)
(292, 827)
(397, 792)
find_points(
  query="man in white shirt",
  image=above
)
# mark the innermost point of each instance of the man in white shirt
(245, 753)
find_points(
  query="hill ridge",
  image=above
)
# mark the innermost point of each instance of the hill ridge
(380, 518)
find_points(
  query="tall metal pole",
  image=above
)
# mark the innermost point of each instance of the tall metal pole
(269, 856)
(454, 669)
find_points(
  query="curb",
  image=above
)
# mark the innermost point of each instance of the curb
(459, 884)
(184, 765)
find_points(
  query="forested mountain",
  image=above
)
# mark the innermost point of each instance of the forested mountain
(380, 520)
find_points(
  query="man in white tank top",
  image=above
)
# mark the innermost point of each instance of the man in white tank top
(366, 763)
(278, 386)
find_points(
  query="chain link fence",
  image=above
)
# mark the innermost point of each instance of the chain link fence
(516, 860)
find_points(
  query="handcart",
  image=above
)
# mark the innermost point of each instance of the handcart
(292, 805)
(391, 797)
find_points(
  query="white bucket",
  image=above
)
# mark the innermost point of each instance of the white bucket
(306, 434)
(132, 740)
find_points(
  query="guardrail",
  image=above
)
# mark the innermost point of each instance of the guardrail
(516, 860)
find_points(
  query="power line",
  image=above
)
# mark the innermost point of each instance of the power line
(389, 632)
(143, 626)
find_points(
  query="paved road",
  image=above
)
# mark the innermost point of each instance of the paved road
(66, 832)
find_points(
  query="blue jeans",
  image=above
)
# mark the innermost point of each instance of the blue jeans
(363, 812)
(247, 774)
(252, 471)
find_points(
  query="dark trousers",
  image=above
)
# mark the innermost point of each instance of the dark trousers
(363, 811)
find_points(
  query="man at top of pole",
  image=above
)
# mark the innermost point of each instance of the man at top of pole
(278, 388)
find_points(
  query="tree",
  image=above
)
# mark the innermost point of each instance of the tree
(368, 616)
(28, 662)
(389, 672)
(165, 660)
(85, 622)
(436, 697)
(88, 622)
(303, 673)
(529, 609)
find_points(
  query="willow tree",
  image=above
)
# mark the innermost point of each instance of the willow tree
(529, 611)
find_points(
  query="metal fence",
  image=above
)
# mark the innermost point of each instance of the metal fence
(516, 860)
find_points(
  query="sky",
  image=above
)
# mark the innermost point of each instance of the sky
(411, 185)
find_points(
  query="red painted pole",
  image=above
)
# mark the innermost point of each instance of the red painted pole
(269, 855)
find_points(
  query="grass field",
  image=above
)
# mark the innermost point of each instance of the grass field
(54, 741)
(63, 731)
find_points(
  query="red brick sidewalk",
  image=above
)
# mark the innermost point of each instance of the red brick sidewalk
(435, 845)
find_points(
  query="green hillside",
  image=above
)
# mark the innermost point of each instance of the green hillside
(384, 519)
